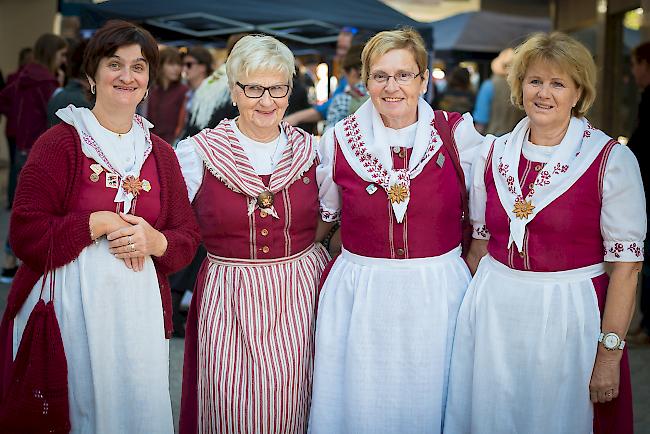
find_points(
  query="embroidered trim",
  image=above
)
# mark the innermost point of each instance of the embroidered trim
(329, 216)
(480, 232)
(620, 249)
(370, 163)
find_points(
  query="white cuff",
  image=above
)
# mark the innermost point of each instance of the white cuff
(480, 232)
(328, 215)
(623, 251)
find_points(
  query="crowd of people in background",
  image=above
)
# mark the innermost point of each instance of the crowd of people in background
(280, 229)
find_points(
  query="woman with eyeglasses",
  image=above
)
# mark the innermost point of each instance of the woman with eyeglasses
(388, 305)
(252, 183)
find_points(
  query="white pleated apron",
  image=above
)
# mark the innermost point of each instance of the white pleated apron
(255, 343)
(383, 343)
(111, 322)
(524, 351)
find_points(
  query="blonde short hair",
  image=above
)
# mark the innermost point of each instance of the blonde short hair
(259, 53)
(563, 51)
(383, 42)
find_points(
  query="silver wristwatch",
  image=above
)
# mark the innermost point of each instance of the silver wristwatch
(611, 341)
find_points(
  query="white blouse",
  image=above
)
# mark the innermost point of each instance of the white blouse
(262, 156)
(467, 140)
(622, 191)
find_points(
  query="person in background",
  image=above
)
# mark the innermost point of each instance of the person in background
(493, 112)
(319, 112)
(24, 57)
(638, 144)
(211, 102)
(355, 93)
(103, 201)
(458, 96)
(166, 102)
(539, 339)
(197, 66)
(76, 91)
(24, 102)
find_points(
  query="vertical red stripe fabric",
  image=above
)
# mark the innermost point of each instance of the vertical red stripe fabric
(255, 345)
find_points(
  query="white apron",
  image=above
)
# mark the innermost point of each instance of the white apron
(383, 343)
(111, 322)
(524, 334)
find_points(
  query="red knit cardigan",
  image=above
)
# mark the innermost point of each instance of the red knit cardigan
(49, 184)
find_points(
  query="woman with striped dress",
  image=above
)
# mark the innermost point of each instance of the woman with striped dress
(251, 180)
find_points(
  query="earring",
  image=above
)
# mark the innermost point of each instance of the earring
(234, 104)
(146, 94)
(92, 88)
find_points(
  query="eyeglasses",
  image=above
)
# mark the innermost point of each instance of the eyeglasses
(256, 91)
(189, 65)
(402, 77)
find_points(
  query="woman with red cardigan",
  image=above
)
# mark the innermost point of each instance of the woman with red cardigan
(107, 200)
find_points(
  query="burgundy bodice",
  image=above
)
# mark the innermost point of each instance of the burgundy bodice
(564, 235)
(95, 196)
(229, 231)
(431, 226)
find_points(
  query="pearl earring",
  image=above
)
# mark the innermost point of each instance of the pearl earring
(92, 88)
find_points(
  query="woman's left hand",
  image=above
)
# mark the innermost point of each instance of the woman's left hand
(138, 240)
(605, 377)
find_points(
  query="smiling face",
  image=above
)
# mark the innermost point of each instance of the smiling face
(397, 103)
(549, 94)
(259, 117)
(122, 78)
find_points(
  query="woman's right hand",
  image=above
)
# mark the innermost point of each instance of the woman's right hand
(105, 222)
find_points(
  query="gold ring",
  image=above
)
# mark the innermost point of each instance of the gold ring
(132, 247)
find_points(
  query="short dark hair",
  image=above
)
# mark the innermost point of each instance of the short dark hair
(115, 34)
(203, 56)
(459, 78)
(642, 52)
(45, 49)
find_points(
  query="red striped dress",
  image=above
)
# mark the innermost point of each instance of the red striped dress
(249, 339)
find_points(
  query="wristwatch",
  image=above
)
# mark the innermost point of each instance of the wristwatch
(611, 341)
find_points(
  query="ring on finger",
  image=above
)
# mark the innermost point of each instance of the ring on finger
(130, 241)
(132, 247)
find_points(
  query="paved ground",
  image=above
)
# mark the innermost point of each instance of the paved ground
(639, 359)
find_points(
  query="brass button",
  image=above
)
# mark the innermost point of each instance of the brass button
(263, 213)
(396, 149)
(265, 249)
(264, 232)
(522, 254)
(530, 186)
(402, 153)
(400, 252)
(305, 180)
(538, 167)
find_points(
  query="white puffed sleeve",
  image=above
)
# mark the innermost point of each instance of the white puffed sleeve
(623, 213)
(468, 142)
(191, 166)
(477, 191)
(328, 191)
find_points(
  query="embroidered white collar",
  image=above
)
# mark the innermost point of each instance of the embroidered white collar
(364, 142)
(570, 160)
